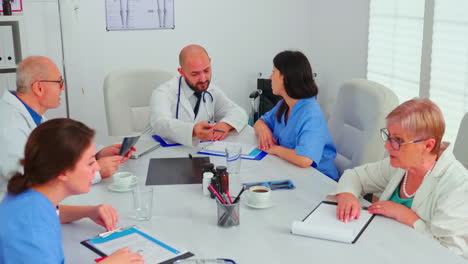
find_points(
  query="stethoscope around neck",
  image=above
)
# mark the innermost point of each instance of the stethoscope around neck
(178, 97)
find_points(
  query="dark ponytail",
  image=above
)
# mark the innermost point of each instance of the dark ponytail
(52, 148)
(18, 183)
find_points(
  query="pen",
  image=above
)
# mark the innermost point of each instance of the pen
(99, 259)
(219, 130)
(239, 195)
(210, 187)
(229, 196)
(105, 234)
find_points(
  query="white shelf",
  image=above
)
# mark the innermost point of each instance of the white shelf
(12, 18)
(8, 67)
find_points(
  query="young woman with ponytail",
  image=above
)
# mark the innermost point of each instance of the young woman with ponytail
(59, 161)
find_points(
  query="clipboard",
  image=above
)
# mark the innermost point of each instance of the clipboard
(326, 226)
(152, 249)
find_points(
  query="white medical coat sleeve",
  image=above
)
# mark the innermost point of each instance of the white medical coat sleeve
(369, 178)
(229, 112)
(12, 140)
(163, 122)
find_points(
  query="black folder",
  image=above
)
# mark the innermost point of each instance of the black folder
(176, 171)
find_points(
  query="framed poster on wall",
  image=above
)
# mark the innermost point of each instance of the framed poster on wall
(16, 6)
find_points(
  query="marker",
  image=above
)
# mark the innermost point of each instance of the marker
(216, 130)
(210, 187)
(239, 195)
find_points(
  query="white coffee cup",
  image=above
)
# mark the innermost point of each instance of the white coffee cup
(259, 196)
(124, 179)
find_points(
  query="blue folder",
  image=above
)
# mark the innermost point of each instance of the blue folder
(163, 143)
(259, 154)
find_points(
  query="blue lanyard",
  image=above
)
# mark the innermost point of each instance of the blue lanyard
(178, 97)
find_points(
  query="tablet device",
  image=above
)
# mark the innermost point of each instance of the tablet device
(127, 144)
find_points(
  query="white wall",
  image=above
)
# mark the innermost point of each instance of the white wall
(241, 37)
(42, 35)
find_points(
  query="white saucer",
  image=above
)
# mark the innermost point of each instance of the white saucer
(117, 188)
(263, 206)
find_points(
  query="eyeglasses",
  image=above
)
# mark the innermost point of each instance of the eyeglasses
(395, 142)
(61, 82)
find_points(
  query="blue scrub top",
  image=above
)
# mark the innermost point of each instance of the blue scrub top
(30, 230)
(307, 133)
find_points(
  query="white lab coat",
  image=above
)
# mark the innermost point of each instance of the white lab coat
(15, 126)
(440, 201)
(163, 109)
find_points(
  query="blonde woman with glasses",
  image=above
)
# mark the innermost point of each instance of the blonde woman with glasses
(421, 183)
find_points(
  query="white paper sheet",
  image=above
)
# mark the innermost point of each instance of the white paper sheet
(322, 223)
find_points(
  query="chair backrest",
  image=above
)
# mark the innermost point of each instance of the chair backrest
(460, 149)
(127, 96)
(356, 120)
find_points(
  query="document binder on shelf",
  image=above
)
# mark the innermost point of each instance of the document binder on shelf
(7, 47)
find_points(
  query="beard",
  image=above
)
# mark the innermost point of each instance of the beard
(196, 87)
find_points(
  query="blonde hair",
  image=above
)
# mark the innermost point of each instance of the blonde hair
(420, 117)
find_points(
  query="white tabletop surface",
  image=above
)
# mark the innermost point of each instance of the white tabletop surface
(184, 218)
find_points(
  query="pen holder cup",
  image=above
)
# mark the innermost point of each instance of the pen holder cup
(228, 214)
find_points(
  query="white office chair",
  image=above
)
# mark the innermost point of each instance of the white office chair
(356, 120)
(460, 149)
(127, 96)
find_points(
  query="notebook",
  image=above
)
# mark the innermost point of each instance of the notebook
(322, 223)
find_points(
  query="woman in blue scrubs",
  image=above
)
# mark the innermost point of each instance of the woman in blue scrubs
(59, 161)
(296, 129)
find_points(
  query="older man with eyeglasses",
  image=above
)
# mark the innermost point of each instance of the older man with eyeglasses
(421, 183)
(39, 86)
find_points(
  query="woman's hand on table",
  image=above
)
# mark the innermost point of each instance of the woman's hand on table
(348, 207)
(105, 216)
(123, 256)
(395, 211)
(265, 137)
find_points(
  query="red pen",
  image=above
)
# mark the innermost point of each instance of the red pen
(217, 194)
(99, 259)
(229, 196)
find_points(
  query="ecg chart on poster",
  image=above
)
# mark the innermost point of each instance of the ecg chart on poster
(139, 14)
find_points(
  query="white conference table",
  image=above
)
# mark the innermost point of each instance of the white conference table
(185, 218)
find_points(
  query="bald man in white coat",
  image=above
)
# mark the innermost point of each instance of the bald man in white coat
(187, 108)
